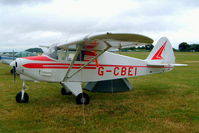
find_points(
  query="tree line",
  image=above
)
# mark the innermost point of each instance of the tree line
(36, 50)
(185, 47)
(139, 48)
(182, 47)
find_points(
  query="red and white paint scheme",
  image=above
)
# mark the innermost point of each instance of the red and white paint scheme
(89, 60)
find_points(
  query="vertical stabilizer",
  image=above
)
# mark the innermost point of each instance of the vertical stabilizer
(162, 53)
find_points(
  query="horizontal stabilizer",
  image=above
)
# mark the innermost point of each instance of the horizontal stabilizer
(172, 65)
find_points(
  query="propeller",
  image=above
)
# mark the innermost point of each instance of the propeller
(14, 73)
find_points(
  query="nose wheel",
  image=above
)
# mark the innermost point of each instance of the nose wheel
(22, 96)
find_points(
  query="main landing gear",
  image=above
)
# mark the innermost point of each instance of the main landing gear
(65, 91)
(82, 98)
(22, 96)
(76, 89)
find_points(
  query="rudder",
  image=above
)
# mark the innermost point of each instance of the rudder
(162, 53)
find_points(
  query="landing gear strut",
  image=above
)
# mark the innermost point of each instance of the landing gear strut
(22, 96)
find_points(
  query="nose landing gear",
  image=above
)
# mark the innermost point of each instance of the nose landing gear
(22, 96)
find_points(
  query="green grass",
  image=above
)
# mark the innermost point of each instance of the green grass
(159, 103)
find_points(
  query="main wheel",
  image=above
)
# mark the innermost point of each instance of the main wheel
(82, 98)
(25, 97)
(64, 92)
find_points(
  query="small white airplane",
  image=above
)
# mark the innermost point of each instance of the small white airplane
(88, 60)
(7, 59)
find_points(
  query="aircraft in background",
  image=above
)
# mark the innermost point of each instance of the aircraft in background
(88, 60)
(7, 58)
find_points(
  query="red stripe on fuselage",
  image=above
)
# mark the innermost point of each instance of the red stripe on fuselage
(53, 66)
(77, 66)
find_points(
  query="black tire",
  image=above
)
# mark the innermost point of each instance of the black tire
(25, 98)
(82, 98)
(64, 92)
(12, 71)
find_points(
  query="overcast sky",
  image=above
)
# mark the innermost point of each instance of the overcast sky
(29, 23)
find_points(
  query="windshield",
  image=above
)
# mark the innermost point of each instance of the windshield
(52, 52)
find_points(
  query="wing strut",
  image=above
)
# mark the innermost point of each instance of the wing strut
(66, 77)
(73, 61)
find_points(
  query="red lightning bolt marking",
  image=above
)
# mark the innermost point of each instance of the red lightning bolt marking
(158, 54)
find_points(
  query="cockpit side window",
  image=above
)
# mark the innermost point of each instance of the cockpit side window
(68, 55)
(80, 57)
(65, 55)
(61, 54)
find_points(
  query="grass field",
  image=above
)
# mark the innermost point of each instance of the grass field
(159, 103)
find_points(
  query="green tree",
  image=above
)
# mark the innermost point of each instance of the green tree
(37, 50)
(184, 46)
(149, 47)
(194, 47)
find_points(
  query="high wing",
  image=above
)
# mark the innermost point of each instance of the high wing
(116, 41)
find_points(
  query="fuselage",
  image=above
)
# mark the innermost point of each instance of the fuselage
(108, 66)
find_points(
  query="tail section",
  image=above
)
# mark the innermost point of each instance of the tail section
(162, 53)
